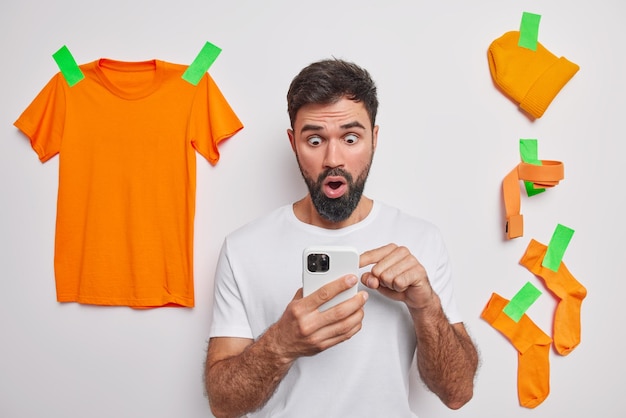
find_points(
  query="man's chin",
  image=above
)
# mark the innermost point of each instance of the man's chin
(335, 210)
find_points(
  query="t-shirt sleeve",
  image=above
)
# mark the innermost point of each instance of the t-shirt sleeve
(443, 285)
(212, 120)
(229, 314)
(44, 119)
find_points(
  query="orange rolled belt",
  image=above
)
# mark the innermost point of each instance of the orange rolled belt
(546, 175)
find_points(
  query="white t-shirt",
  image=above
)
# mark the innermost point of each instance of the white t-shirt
(259, 272)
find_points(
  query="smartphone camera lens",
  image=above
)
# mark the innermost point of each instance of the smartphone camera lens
(324, 262)
(318, 263)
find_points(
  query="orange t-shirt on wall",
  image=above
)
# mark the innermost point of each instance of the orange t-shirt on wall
(126, 136)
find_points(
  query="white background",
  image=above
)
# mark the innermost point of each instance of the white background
(447, 138)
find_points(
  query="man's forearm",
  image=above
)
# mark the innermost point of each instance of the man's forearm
(446, 357)
(243, 383)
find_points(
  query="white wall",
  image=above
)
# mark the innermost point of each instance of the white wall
(447, 139)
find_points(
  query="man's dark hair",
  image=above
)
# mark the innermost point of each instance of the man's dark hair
(326, 82)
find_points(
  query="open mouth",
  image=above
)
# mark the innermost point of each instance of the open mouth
(335, 187)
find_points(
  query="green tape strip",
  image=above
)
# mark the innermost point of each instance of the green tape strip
(529, 152)
(529, 31)
(68, 66)
(201, 64)
(522, 300)
(556, 249)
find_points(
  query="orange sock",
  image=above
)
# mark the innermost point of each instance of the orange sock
(533, 349)
(566, 327)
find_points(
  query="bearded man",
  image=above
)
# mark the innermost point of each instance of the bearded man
(275, 354)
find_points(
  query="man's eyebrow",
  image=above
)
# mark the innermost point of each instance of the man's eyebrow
(311, 128)
(316, 128)
(355, 124)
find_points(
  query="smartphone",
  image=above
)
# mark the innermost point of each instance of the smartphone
(323, 264)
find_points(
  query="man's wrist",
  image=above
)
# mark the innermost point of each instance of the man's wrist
(272, 347)
(428, 310)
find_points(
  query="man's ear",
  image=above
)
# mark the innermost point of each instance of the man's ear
(374, 137)
(292, 139)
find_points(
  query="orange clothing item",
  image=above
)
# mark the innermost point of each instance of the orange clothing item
(533, 351)
(531, 78)
(548, 174)
(566, 327)
(126, 136)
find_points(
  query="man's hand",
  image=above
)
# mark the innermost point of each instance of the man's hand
(242, 374)
(446, 357)
(304, 331)
(398, 275)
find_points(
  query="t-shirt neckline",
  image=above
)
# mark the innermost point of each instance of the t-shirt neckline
(334, 232)
(155, 66)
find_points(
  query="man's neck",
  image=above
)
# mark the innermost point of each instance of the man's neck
(305, 211)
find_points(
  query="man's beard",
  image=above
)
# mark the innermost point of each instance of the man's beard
(338, 209)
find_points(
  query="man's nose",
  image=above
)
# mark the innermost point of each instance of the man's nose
(334, 155)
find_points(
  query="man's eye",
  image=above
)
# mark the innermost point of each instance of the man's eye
(314, 141)
(351, 138)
